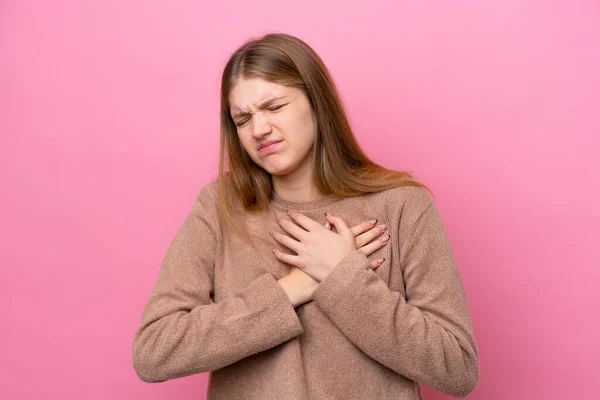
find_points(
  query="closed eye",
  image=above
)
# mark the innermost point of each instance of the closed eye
(276, 107)
(242, 122)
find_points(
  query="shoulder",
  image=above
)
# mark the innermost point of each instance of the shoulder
(209, 190)
(408, 201)
(404, 205)
(208, 196)
(405, 201)
(206, 204)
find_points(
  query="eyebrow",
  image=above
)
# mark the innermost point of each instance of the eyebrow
(262, 105)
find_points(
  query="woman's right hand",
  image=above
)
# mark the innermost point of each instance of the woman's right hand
(299, 286)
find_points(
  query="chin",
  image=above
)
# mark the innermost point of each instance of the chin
(279, 170)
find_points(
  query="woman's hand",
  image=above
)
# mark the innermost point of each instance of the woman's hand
(318, 249)
(365, 238)
(299, 286)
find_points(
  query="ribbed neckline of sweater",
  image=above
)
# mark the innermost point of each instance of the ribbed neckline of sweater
(305, 205)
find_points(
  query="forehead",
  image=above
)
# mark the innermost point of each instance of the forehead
(248, 92)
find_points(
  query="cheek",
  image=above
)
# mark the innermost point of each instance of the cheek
(309, 122)
(245, 139)
(246, 144)
(309, 131)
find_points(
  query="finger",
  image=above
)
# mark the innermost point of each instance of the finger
(363, 227)
(304, 221)
(368, 236)
(327, 225)
(340, 225)
(374, 245)
(286, 258)
(292, 229)
(377, 263)
(286, 241)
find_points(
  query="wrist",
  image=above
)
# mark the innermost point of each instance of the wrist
(294, 295)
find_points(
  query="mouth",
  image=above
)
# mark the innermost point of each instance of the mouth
(269, 147)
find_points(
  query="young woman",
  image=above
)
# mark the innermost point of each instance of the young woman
(280, 281)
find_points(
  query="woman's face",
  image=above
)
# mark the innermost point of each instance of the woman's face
(264, 112)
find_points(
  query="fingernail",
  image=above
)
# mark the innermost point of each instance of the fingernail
(289, 212)
(385, 238)
(382, 227)
(372, 222)
(327, 214)
(381, 260)
(271, 232)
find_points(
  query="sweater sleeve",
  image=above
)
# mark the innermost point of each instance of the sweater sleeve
(182, 332)
(426, 336)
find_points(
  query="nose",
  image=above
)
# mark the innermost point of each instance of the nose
(260, 125)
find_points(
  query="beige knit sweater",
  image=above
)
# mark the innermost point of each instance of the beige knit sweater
(367, 334)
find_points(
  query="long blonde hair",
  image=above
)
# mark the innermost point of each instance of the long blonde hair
(341, 167)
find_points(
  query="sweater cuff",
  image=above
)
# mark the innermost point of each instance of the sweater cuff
(278, 311)
(342, 280)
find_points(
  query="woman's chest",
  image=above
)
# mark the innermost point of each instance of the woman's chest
(240, 262)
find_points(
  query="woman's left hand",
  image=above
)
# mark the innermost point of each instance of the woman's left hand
(318, 249)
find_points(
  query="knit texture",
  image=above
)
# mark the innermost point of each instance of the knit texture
(366, 334)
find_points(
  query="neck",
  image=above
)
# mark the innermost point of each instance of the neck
(297, 191)
(298, 185)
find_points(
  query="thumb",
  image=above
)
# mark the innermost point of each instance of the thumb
(340, 225)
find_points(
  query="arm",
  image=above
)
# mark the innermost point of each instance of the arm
(426, 337)
(182, 332)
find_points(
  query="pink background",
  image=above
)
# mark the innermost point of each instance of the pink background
(109, 127)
